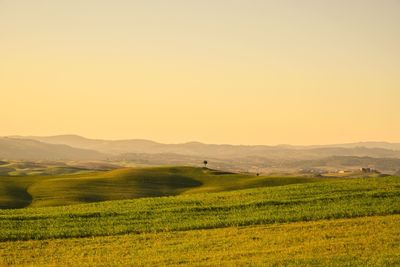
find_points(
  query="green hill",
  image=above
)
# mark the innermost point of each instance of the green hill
(127, 183)
(291, 203)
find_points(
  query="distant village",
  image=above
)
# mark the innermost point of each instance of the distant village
(317, 171)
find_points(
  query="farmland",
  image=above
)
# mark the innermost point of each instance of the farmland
(372, 241)
(205, 216)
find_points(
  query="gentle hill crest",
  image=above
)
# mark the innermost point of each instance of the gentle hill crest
(128, 183)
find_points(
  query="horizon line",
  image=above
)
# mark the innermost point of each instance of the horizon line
(194, 141)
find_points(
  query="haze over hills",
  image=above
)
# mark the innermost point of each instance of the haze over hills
(371, 144)
(362, 149)
(380, 155)
(29, 149)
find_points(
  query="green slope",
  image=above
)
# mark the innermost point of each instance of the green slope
(127, 183)
(267, 205)
(13, 192)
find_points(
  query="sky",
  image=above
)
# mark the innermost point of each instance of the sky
(215, 71)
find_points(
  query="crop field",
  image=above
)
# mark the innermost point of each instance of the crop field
(202, 217)
(367, 241)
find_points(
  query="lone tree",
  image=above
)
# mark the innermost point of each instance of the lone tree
(205, 163)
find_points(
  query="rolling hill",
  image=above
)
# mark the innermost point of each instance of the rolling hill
(127, 183)
(264, 159)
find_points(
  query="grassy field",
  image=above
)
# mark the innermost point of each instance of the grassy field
(268, 205)
(128, 183)
(274, 221)
(368, 241)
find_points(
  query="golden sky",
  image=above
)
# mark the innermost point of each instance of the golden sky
(216, 71)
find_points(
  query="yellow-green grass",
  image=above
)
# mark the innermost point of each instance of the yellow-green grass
(333, 222)
(127, 183)
(332, 199)
(368, 241)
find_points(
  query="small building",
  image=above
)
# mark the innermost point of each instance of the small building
(368, 170)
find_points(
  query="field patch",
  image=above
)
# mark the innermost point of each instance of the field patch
(372, 241)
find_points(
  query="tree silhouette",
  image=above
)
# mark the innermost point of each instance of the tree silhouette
(205, 163)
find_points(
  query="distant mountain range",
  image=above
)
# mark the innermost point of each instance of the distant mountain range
(29, 149)
(117, 147)
(74, 147)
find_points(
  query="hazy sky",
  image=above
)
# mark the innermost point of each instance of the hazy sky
(217, 71)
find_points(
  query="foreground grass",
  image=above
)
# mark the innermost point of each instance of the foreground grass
(268, 205)
(369, 241)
